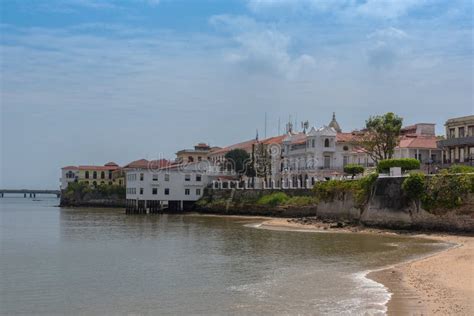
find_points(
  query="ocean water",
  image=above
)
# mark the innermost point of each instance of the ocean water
(57, 261)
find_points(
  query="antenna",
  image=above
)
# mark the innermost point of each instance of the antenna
(279, 127)
(265, 133)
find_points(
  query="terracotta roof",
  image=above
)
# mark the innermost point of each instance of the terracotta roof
(247, 145)
(422, 142)
(148, 164)
(98, 168)
(345, 137)
(107, 166)
(70, 168)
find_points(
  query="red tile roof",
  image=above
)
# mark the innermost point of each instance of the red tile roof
(70, 168)
(421, 142)
(345, 137)
(247, 145)
(148, 164)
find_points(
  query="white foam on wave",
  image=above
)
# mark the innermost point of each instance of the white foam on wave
(375, 295)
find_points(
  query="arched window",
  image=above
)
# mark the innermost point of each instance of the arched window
(94, 175)
(110, 182)
(87, 174)
(190, 159)
(102, 175)
(326, 142)
(94, 183)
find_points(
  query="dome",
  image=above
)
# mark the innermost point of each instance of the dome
(334, 124)
(111, 164)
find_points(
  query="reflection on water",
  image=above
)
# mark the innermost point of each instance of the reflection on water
(83, 261)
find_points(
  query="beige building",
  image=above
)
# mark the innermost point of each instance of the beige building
(458, 147)
(199, 153)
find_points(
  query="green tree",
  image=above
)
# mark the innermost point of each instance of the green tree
(239, 161)
(353, 169)
(381, 136)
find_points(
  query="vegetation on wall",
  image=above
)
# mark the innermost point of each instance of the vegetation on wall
(330, 190)
(239, 161)
(441, 192)
(353, 169)
(404, 163)
(80, 189)
(273, 199)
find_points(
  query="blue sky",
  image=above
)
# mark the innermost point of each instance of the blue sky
(89, 81)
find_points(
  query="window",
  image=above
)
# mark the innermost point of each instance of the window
(155, 177)
(110, 174)
(154, 191)
(327, 162)
(326, 142)
(345, 148)
(199, 158)
(198, 191)
(313, 143)
(452, 133)
(167, 177)
(87, 174)
(345, 160)
(141, 191)
(461, 132)
(190, 159)
(167, 191)
(94, 175)
(94, 183)
(186, 191)
(141, 176)
(187, 177)
(470, 130)
(102, 182)
(198, 178)
(102, 175)
(110, 182)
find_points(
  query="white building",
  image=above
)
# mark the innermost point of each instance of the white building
(173, 187)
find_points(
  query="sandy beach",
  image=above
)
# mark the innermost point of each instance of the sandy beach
(440, 284)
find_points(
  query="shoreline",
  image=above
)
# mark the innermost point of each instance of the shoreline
(440, 283)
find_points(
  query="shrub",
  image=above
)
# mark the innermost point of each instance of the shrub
(273, 199)
(404, 163)
(361, 188)
(414, 185)
(461, 169)
(447, 191)
(301, 201)
(353, 169)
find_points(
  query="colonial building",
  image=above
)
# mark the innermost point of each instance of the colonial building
(458, 147)
(314, 155)
(172, 187)
(417, 141)
(110, 173)
(199, 153)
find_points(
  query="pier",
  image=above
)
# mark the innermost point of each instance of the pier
(30, 193)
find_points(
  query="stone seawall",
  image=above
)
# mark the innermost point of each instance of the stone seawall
(91, 200)
(388, 207)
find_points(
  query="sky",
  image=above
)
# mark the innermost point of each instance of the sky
(92, 81)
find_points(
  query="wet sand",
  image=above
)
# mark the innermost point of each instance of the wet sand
(440, 284)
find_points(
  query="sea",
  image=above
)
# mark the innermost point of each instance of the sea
(73, 261)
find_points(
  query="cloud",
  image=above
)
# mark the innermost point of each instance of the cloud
(261, 48)
(368, 8)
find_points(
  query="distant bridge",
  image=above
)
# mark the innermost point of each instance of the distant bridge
(30, 193)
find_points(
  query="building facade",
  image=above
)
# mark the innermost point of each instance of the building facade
(199, 153)
(110, 174)
(458, 146)
(173, 187)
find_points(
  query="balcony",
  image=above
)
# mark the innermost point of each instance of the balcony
(460, 141)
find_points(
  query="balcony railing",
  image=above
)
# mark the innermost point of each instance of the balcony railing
(460, 141)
